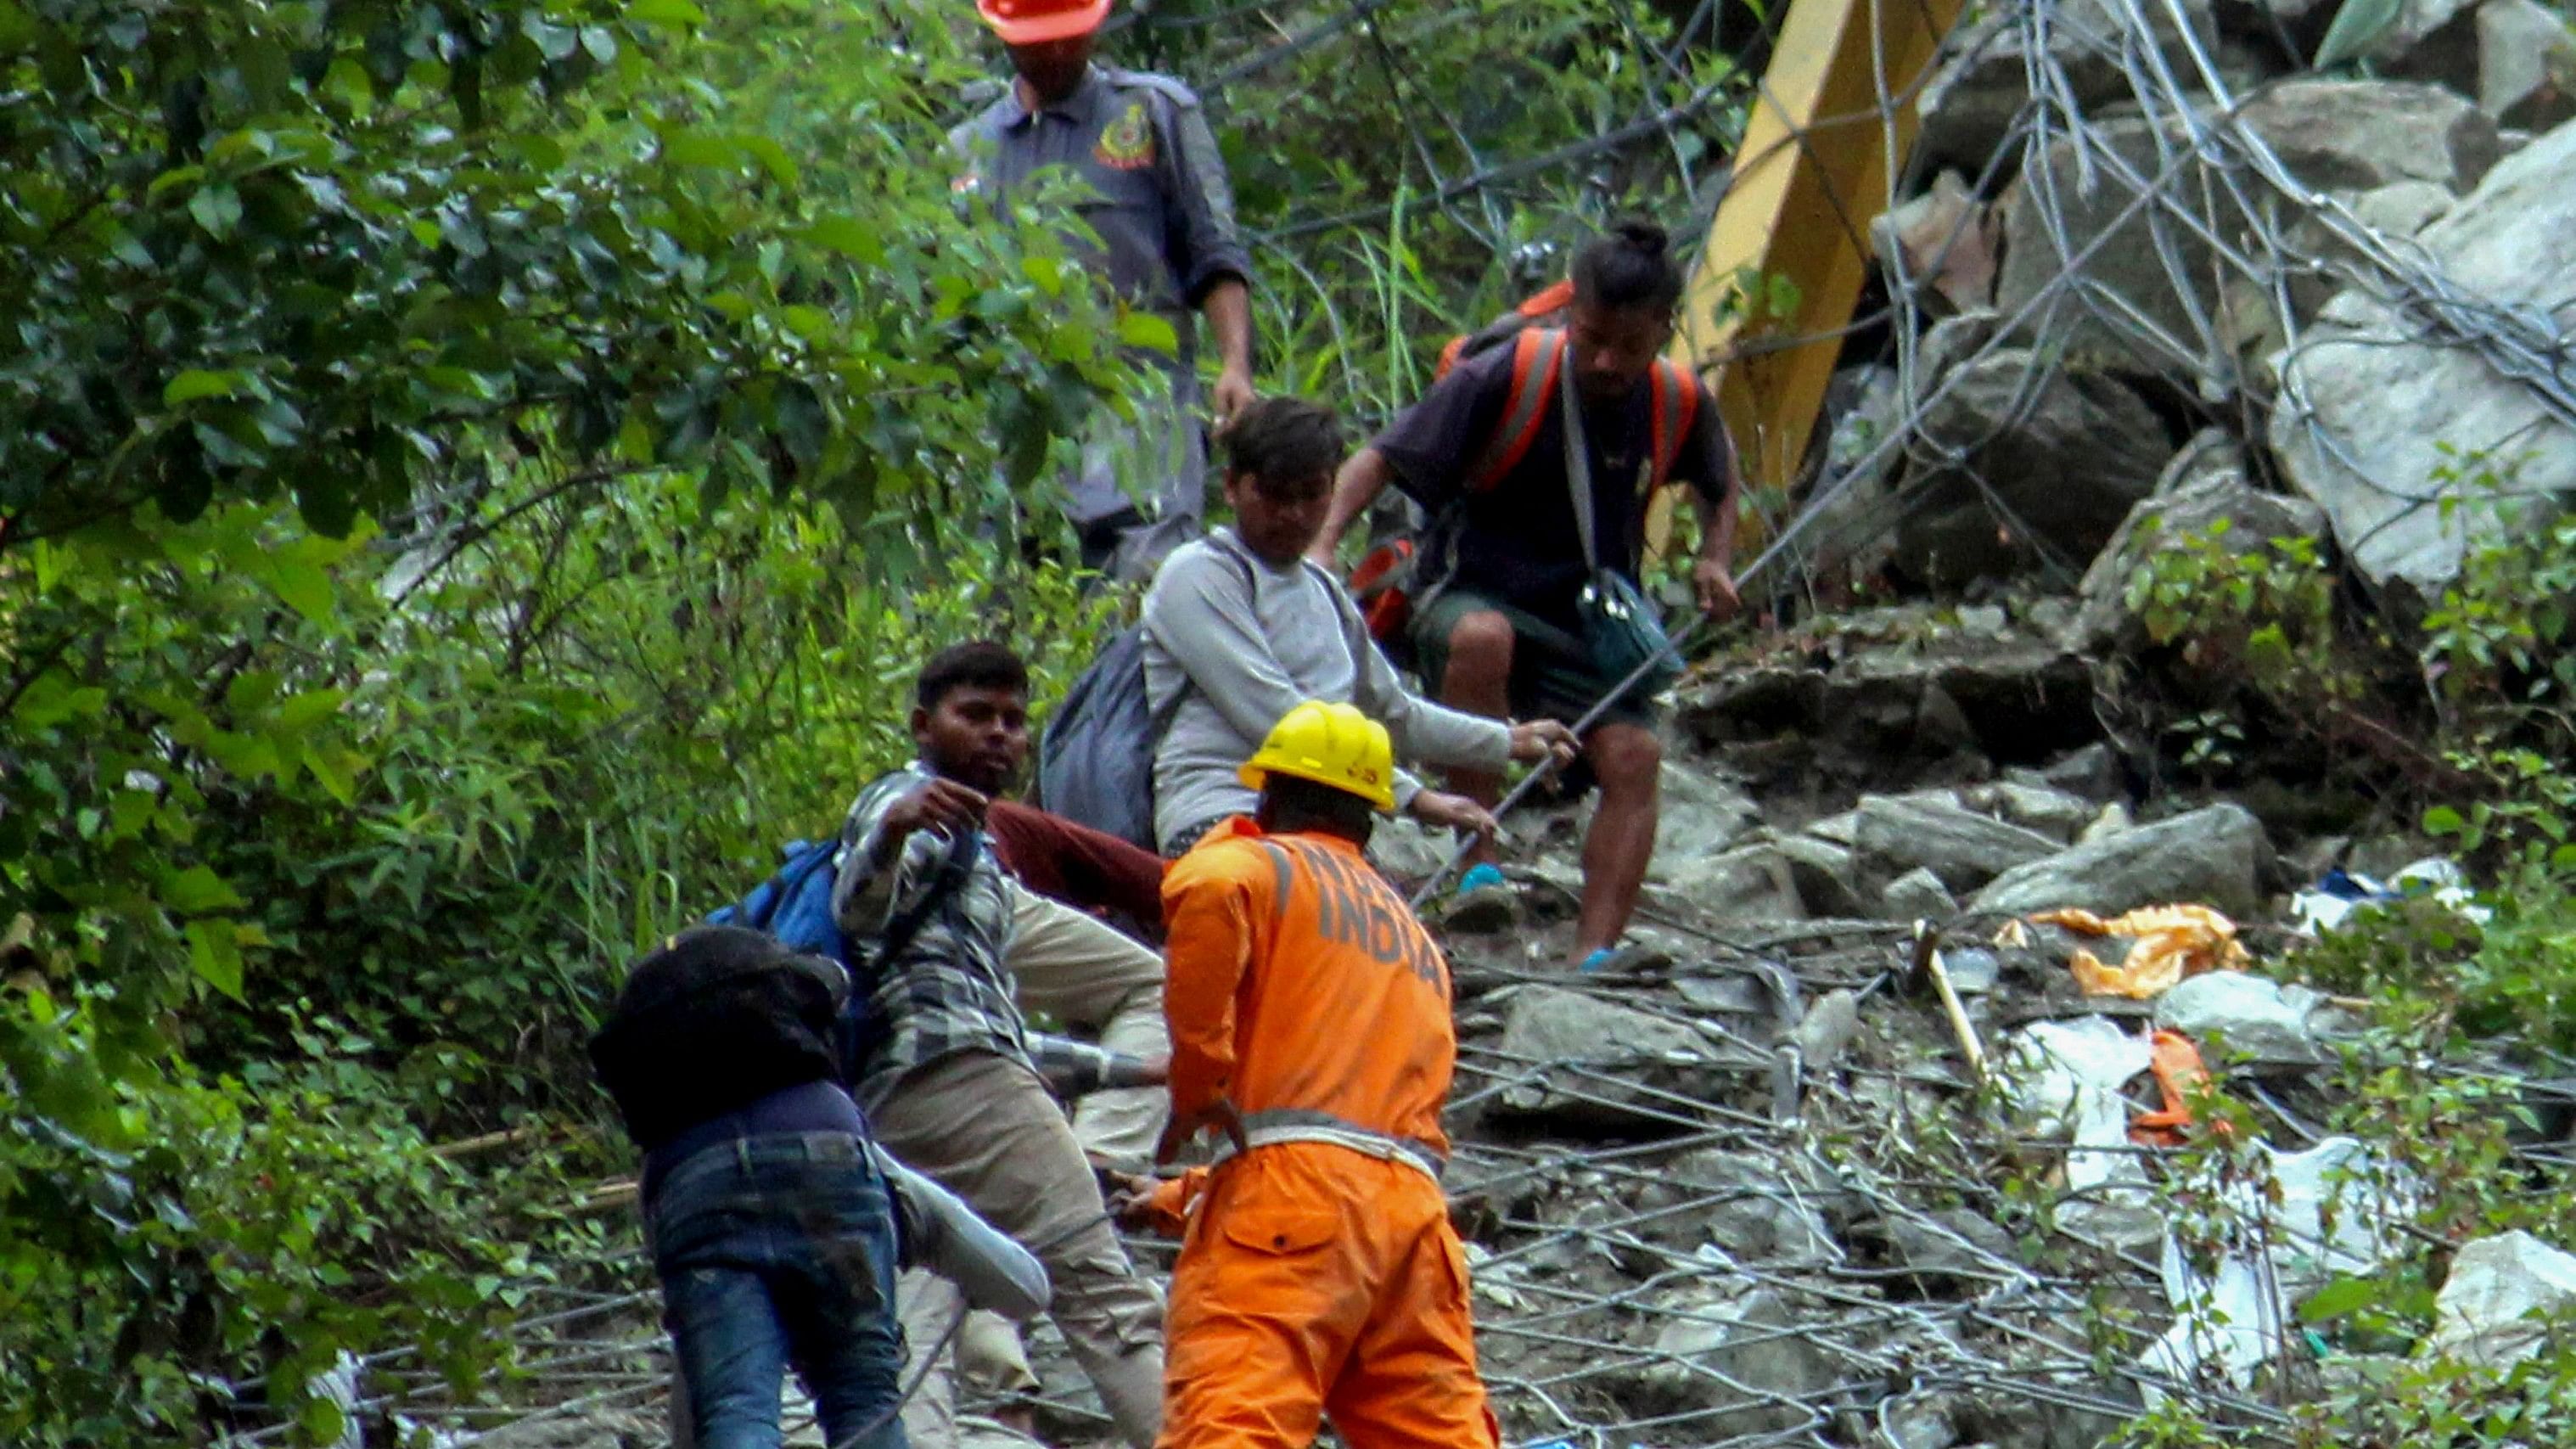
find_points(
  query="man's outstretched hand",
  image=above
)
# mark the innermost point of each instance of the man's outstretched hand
(1131, 1201)
(942, 805)
(1443, 811)
(1538, 739)
(1715, 585)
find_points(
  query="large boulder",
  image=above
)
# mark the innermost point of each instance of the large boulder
(2049, 463)
(1961, 847)
(2515, 57)
(2017, 695)
(1974, 95)
(1757, 1207)
(2055, 813)
(2354, 135)
(2215, 856)
(2394, 213)
(2402, 208)
(1980, 86)
(1741, 1360)
(2258, 1019)
(1951, 1249)
(2488, 1310)
(1941, 246)
(2526, 65)
(2379, 407)
(2091, 772)
(1701, 814)
(2082, 200)
(1587, 1064)
(1752, 882)
(2206, 485)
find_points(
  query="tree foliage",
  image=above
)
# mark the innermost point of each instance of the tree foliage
(292, 249)
(1409, 170)
(399, 623)
(474, 478)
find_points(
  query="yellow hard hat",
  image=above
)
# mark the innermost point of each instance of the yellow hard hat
(1330, 744)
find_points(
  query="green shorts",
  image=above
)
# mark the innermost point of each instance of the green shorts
(1551, 678)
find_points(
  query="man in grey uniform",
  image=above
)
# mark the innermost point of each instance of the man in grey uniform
(1140, 147)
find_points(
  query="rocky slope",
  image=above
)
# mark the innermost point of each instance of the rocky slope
(1755, 1188)
(2124, 226)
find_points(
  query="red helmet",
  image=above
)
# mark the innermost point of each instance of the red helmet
(1033, 22)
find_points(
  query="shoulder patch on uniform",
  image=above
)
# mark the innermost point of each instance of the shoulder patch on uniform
(1127, 142)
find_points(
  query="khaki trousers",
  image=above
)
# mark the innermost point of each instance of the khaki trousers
(1079, 969)
(985, 1128)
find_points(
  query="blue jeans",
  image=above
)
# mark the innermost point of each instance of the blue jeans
(778, 1251)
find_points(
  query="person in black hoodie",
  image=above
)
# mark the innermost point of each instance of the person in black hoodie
(776, 1226)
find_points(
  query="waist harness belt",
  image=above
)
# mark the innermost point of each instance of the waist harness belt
(1304, 1124)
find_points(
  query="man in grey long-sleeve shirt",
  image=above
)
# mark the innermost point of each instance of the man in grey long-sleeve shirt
(1239, 629)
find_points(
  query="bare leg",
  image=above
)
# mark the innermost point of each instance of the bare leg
(1628, 761)
(1478, 680)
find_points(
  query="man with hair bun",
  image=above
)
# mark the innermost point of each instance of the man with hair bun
(1485, 453)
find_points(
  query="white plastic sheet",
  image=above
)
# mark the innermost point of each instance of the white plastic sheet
(2240, 1314)
(2068, 1075)
(2329, 904)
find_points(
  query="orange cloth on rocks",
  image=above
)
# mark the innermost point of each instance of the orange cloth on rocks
(2179, 1072)
(1317, 1276)
(2171, 942)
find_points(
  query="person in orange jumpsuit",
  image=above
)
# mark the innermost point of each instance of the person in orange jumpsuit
(1310, 1022)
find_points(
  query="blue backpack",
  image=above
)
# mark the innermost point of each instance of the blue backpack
(795, 907)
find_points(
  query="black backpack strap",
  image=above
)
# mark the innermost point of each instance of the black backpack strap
(954, 868)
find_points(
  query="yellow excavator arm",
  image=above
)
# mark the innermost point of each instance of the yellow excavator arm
(1789, 249)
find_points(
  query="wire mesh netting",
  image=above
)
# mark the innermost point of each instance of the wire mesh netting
(2136, 190)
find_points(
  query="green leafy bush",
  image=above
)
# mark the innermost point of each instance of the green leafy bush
(474, 479)
(412, 841)
(2463, 717)
(463, 500)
